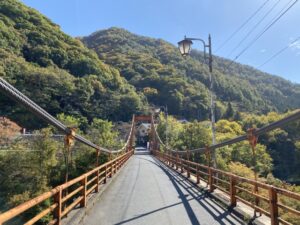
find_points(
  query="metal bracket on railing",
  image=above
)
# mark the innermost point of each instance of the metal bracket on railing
(252, 138)
(188, 165)
(68, 143)
(70, 137)
(177, 160)
(188, 154)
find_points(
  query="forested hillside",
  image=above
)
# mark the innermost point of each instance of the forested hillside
(57, 71)
(112, 74)
(131, 72)
(165, 77)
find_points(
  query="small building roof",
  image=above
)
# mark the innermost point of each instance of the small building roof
(146, 125)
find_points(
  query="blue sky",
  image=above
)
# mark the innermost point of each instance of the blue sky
(172, 19)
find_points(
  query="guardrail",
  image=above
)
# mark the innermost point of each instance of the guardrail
(237, 188)
(69, 195)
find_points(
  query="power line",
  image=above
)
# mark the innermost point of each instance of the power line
(253, 28)
(281, 14)
(264, 31)
(241, 27)
(279, 52)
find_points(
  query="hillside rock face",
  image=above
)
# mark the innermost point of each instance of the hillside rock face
(166, 78)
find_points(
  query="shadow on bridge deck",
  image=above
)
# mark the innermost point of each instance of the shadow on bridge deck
(148, 192)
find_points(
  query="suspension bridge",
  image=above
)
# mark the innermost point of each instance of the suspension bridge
(165, 186)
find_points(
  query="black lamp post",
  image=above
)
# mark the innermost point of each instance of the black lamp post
(185, 47)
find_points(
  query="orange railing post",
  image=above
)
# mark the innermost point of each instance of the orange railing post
(111, 169)
(232, 190)
(105, 179)
(83, 192)
(57, 211)
(197, 174)
(181, 165)
(273, 206)
(210, 180)
(97, 181)
(188, 169)
(115, 166)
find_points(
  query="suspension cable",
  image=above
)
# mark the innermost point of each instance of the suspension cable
(278, 124)
(19, 97)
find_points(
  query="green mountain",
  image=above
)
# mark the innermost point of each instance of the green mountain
(113, 73)
(57, 71)
(156, 68)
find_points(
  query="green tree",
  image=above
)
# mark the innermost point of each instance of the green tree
(229, 111)
(172, 128)
(195, 135)
(101, 133)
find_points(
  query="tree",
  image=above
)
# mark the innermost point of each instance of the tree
(195, 135)
(172, 128)
(101, 133)
(229, 111)
(27, 175)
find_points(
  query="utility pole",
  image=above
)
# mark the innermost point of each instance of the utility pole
(166, 114)
(212, 102)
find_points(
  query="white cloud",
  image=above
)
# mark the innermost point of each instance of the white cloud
(295, 45)
(263, 50)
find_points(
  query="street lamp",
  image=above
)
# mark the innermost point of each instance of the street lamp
(185, 47)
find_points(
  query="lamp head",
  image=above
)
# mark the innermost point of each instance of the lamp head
(185, 46)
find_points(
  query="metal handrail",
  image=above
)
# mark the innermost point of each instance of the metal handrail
(83, 190)
(232, 182)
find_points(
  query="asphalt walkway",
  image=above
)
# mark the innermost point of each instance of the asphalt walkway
(146, 192)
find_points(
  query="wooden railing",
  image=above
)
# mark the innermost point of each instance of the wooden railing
(69, 195)
(237, 188)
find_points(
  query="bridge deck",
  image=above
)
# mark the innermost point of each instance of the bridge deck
(147, 192)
